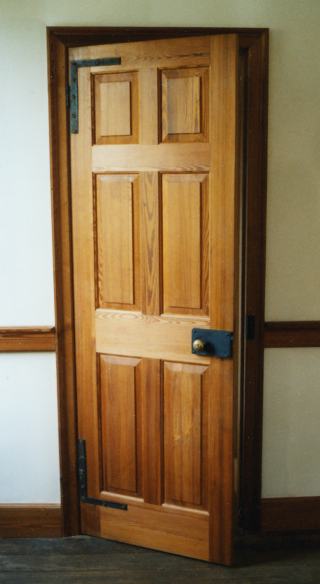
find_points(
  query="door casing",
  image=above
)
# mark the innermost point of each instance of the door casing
(254, 49)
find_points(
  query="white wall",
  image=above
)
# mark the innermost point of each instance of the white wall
(291, 436)
(28, 429)
(26, 279)
(293, 242)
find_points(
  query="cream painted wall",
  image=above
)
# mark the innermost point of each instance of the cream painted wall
(293, 242)
(28, 429)
(291, 436)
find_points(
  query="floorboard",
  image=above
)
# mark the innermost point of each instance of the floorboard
(85, 560)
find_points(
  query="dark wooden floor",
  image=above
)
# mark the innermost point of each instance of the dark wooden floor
(84, 560)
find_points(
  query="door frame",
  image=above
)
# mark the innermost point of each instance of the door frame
(254, 50)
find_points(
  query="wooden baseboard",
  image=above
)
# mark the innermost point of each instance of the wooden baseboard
(290, 514)
(30, 521)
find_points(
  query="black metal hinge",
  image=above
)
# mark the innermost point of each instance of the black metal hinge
(82, 477)
(74, 92)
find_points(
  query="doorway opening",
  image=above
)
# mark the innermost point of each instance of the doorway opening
(253, 134)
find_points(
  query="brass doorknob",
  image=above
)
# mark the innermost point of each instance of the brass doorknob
(198, 345)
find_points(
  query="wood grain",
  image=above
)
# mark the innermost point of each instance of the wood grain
(84, 283)
(254, 70)
(163, 53)
(152, 431)
(60, 38)
(150, 243)
(135, 334)
(90, 517)
(161, 157)
(27, 339)
(115, 114)
(30, 520)
(180, 222)
(119, 445)
(120, 401)
(163, 528)
(185, 240)
(223, 91)
(185, 444)
(148, 106)
(118, 240)
(63, 281)
(184, 96)
(181, 208)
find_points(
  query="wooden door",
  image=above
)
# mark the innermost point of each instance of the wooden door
(153, 198)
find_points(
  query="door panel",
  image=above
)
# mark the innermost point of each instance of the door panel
(118, 240)
(185, 434)
(154, 197)
(120, 389)
(185, 243)
(115, 108)
(184, 94)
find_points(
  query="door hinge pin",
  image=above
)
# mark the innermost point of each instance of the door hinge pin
(250, 327)
(68, 89)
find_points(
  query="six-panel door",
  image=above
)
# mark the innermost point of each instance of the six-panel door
(144, 221)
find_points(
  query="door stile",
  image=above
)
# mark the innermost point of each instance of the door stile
(224, 177)
(84, 284)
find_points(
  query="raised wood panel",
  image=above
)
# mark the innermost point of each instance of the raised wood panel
(120, 420)
(185, 243)
(115, 110)
(135, 334)
(115, 115)
(182, 114)
(184, 105)
(185, 435)
(117, 241)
